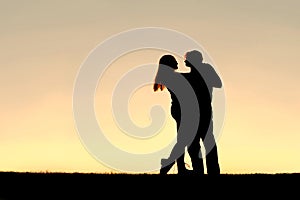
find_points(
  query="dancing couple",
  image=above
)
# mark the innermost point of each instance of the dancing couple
(191, 108)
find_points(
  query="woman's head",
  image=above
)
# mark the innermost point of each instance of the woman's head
(165, 62)
(168, 60)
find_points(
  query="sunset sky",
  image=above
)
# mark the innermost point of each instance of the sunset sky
(254, 46)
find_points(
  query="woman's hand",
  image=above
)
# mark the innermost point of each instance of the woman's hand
(157, 86)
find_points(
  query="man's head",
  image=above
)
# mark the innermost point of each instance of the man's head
(193, 58)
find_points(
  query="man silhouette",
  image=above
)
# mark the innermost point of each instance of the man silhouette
(204, 90)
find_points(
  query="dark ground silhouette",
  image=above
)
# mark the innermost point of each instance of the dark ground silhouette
(16, 185)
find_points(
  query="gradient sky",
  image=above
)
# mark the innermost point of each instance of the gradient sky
(254, 44)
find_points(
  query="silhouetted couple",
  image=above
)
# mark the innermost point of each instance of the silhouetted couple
(191, 107)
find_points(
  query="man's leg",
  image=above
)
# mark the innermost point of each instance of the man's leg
(212, 162)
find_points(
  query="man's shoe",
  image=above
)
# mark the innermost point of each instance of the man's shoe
(185, 172)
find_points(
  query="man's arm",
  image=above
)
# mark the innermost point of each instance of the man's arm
(213, 77)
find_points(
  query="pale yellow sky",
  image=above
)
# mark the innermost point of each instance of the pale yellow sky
(254, 45)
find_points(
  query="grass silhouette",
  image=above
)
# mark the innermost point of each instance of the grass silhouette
(30, 185)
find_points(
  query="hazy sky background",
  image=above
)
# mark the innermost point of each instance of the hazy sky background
(254, 44)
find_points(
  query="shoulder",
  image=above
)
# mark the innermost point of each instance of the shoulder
(207, 65)
(208, 68)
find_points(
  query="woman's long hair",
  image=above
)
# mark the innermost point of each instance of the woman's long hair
(165, 60)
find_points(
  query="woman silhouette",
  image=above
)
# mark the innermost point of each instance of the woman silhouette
(184, 109)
